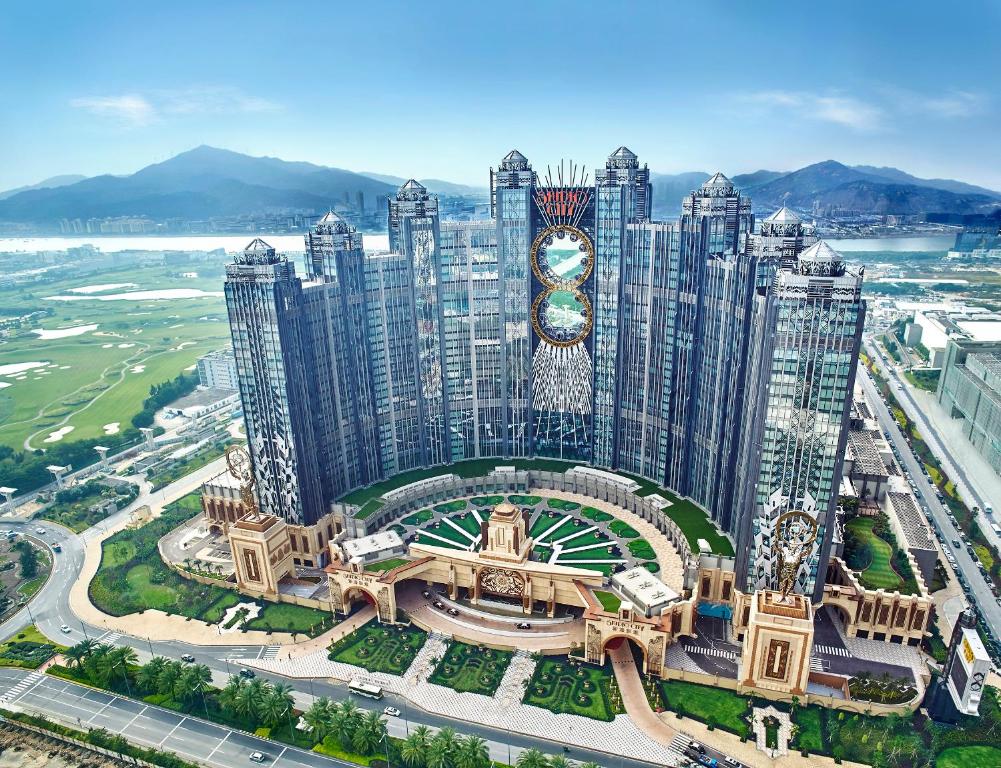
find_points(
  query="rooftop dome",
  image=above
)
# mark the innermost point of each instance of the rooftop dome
(624, 153)
(718, 181)
(784, 216)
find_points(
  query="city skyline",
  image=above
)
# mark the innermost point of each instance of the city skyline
(835, 92)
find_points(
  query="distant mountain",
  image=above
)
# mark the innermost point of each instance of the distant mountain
(949, 185)
(202, 183)
(747, 181)
(832, 184)
(51, 183)
(670, 188)
(434, 186)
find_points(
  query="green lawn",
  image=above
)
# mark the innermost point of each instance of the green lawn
(386, 565)
(879, 574)
(718, 706)
(577, 689)
(418, 518)
(641, 548)
(447, 531)
(564, 529)
(285, 617)
(542, 523)
(595, 514)
(451, 506)
(93, 384)
(369, 508)
(524, 501)
(188, 464)
(72, 506)
(563, 506)
(422, 539)
(810, 736)
(623, 530)
(467, 522)
(469, 668)
(486, 501)
(29, 649)
(609, 600)
(978, 756)
(599, 553)
(379, 648)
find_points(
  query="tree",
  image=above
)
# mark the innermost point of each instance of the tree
(369, 734)
(166, 683)
(149, 673)
(78, 653)
(346, 718)
(254, 697)
(559, 761)
(232, 693)
(472, 753)
(415, 748)
(441, 752)
(532, 758)
(276, 703)
(192, 682)
(119, 661)
(320, 718)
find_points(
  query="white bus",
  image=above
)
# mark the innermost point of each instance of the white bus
(365, 689)
(996, 528)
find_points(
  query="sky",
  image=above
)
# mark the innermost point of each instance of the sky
(444, 89)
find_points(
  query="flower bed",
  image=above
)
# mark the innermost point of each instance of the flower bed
(379, 648)
(470, 668)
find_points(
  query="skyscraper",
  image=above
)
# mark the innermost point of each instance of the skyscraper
(699, 354)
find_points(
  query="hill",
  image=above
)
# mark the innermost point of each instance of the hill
(202, 183)
(434, 186)
(50, 183)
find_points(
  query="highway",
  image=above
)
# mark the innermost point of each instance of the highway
(925, 491)
(50, 610)
(956, 472)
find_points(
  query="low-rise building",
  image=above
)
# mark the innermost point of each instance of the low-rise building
(970, 389)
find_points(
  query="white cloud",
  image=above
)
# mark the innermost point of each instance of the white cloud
(951, 104)
(135, 110)
(130, 109)
(831, 108)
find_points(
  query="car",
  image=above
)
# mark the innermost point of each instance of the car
(524, 625)
(247, 673)
(732, 762)
(187, 658)
(696, 747)
(425, 593)
(391, 712)
(956, 544)
(64, 629)
(56, 547)
(452, 612)
(438, 604)
(39, 530)
(258, 757)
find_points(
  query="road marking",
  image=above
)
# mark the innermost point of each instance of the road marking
(172, 731)
(138, 715)
(218, 745)
(284, 750)
(108, 704)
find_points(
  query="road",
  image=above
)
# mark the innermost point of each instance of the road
(50, 610)
(981, 593)
(956, 472)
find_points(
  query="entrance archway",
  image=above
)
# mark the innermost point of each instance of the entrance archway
(353, 596)
(616, 644)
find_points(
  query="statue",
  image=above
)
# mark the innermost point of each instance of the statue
(795, 533)
(239, 466)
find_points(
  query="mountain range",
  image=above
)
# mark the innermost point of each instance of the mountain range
(206, 182)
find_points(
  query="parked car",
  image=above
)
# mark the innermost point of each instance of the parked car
(40, 530)
(258, 757)
(247, 673)
(391, 712)
(438, 604)
(426, 593)
(187, 658)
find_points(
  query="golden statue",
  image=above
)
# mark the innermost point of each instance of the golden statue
(239, 466)
(795, 533)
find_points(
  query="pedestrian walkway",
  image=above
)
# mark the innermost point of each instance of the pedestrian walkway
(831, 650)
(29, 682)
(634, 697)
(270, 652)
(707, 650)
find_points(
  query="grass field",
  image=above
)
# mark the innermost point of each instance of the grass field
(28, 649)
(978, 756)
(284, 617)
(563, 686)
(379, 648)
(91, 380)
(879, 574)
(718, 706)
(468, 668)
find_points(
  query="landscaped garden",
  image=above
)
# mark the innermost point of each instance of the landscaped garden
(84, 505)
(486, 501)
(717, 707)
(29, 649)
(195, 460)
(566, 685)
(133, 578)
(872, 549)
(24, 568)
(379, 648)
(470, 668)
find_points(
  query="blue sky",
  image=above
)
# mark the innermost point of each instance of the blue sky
(445, 89)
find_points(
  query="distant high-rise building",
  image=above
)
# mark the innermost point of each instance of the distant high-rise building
(806, 337)
(701, 355)
(218, 369)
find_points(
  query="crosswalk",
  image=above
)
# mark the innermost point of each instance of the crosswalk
(831, 650)
(271, 652)
(677, 748)
(710, 651)
(21, 687)
(110, 638)
(816, 664)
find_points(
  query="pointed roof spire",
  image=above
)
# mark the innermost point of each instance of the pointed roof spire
(784, 216)
(257, 246)
(412, 190)
(257, 252)
(717, 181)
(514, 161)
(624, 153)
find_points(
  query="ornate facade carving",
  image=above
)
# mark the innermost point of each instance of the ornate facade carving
(592, 650)
(502, 581)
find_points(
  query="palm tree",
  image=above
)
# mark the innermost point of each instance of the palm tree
(232, 691)
(254, 696)
(415, 747)
(167, 680)
(559, 761)
(76, 654)
(149, 672)
(441, 752)
(345, 718)
(532, 758)
(276, 703)
(369, 734)
(588, 764)
(472, 753)
(319, 717)
(192, 682)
